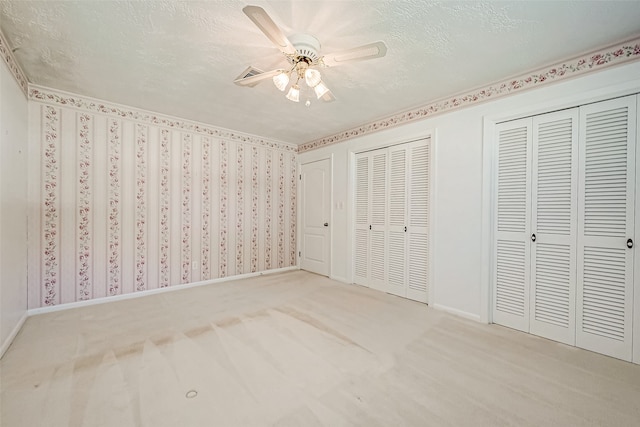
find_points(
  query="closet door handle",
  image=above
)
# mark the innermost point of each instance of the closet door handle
(533, 237)
(326, 224)
(629, 243)
(405, 228)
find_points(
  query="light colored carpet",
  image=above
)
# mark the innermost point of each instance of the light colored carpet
(297, 349)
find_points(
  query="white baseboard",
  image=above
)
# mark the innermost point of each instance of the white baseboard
(340, 279)
(466, 315)
(53, 308)
(7, 343)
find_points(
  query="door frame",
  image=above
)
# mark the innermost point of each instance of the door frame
(299, 231)
(489, 167)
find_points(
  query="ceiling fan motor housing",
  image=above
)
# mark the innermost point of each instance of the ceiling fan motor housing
(307, 47)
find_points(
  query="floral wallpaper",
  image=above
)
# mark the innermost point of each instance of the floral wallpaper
(141, 208)
(625, 52)
(84, 209)
(113, 207)
(50, 206)
(164, 278)
(123, 204)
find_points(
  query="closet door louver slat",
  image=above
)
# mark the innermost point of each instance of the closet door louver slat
(362, 258)
(378, 233)
(379, 189)
(397, 187)
(513, 193)
(392, 219)
(564, 251)
(397, 268)
(512, 179)
(362, 191)
(418, 224)
(419, 186)
(361, 249)
(606, 221)
(554, 294)
(553, 211)
(397, 220)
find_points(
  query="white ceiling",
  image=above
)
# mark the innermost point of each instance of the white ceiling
(180, 58)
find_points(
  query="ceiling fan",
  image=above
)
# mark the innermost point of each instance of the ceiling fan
(302, 52)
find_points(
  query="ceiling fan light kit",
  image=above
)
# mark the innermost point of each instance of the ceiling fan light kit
(320, 90)
(302, 51)
(312, 77)
(294, 93)
(281, 81)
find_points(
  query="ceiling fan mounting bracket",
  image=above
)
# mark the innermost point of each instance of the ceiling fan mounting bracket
(307, 47)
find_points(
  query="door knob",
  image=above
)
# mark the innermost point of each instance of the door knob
(629, 243)
(533, 237)
(326, 224)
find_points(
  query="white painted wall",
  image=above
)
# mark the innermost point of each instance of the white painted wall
(461, 202)
(13, 208)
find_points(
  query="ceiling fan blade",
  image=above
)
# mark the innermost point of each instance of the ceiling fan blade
(367, 51)
(254, 79)
(269, 28)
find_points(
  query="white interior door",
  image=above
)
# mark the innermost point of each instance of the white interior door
(553, 218)
(361, 249)
(392, 196)
(636, 282)
(397, 220)
(512, 225)
(564, 249)
(397, 224)
(606, 227)
(316, 211)
(418, 213)
(378, 232)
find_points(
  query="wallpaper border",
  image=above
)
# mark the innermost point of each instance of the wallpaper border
(613, 55)
(10, 60)
(61, 98)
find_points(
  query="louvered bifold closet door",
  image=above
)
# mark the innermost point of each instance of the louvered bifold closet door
(361, 249)
(419, 216)
(397, 221)
(553, 213)
(605, 223)
(378, 232)
(512, 225)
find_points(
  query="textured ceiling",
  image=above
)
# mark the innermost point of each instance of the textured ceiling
(180, 58)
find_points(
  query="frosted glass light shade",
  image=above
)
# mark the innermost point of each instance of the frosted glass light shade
(294, 93)
(312, 77)
(320, 90)
(281, 81)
